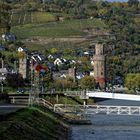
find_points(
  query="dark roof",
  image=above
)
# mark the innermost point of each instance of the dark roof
(10, 37)
(2, 47)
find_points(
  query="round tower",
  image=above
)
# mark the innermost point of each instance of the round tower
(99, 65)
(23, 64)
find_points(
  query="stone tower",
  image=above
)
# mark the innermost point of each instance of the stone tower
(23, 66)
(99, 65)
(72, 73)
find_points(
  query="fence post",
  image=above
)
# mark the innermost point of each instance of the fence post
(13, 100)
(108, 110)
(119, 110)
(54, 108)
(129, 111)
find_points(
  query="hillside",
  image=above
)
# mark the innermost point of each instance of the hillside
(78, 25)
(32, 123)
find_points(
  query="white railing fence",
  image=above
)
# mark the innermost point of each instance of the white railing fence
(97, 109)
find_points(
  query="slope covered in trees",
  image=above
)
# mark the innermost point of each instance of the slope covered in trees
(121, 20)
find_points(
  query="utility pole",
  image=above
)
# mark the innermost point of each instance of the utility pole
(2, 63)
(34, 92)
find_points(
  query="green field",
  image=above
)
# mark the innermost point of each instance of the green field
(67, 28)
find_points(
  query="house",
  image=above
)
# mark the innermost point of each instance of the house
(55, 55)
(50, 56)
(60, 74)
(37, 57)
(9, 37)
(2, 47)
(91, 73)
(58, 62)
(22, 49)
(3, 73)
(51, 66)
(92, 63)
(79, 75)
(72, 62)
(63, 76)
(88, 53)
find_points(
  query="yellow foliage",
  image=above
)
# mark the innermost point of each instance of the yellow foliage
(21, 54)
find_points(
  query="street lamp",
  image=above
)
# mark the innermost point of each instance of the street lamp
(2, 83)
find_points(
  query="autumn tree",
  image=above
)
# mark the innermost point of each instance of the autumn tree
(132, 81)
(65, 83)
(125, 38)
(87, 82)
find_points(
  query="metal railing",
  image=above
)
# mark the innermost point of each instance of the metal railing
(26, 101)
(46, 103)
(97, 109)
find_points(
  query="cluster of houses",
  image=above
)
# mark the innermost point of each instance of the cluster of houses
(59, 66)
(53, 62)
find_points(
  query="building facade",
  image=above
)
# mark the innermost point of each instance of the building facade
(23, 70)
(99, 65)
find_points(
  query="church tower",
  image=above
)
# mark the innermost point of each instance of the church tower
(23, 65)
(99, 65)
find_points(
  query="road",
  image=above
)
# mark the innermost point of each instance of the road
(8, 108)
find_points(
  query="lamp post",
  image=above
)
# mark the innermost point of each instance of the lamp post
(2, 83)
(2, 86)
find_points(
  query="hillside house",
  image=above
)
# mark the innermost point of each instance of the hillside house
(2, 47)
(22, 49)
(9, 37)
(3, 73)
(60, 61)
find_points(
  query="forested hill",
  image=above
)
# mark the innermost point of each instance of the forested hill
(122, 20)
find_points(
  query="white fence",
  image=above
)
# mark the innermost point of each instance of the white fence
(97, 109)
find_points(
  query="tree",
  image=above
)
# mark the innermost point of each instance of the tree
(125, 29)
(15, 80)
(48, 80)
(133, 2)
(53, 50)
(4, 17)
(132, 81)
(64, 83)
(87, 82)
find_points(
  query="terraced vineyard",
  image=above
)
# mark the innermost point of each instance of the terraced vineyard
(22, 17)
(67, 28)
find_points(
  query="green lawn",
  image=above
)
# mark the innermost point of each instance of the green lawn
(66, 28)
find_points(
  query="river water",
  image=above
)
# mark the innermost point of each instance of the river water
(110, 127)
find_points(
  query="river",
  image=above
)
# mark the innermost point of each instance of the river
(110, 127)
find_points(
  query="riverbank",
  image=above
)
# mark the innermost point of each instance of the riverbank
(33, 124)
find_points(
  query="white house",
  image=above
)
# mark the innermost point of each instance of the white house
(58, 61)
(50, 56)
(22, 49)
(3, 73)
(72, 62)
(91, 73)
(92, 63)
